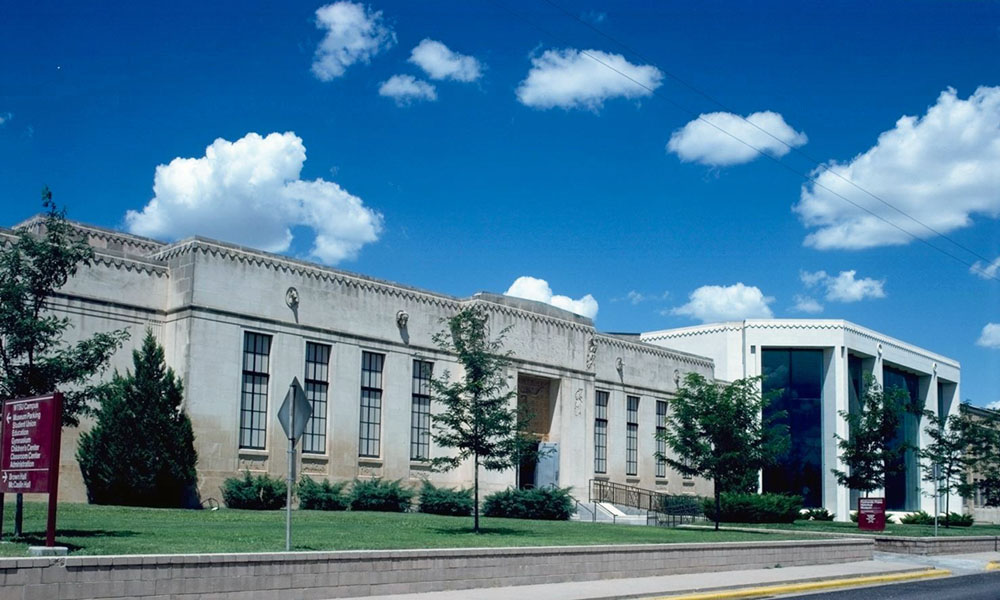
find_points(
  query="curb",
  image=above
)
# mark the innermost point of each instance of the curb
(769, 590)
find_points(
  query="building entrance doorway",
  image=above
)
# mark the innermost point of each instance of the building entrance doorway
(536, 399)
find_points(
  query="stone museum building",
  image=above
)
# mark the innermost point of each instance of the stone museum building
(238, 324)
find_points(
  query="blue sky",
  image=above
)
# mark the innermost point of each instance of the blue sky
(460, 146)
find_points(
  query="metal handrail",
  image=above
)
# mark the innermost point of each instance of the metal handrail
(626, 495)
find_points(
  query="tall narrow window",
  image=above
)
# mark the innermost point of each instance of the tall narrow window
(317, 386)
(601, 432)
(632, 436)
(370, 434)
(420, 418)
(253, 406)
(661, 443)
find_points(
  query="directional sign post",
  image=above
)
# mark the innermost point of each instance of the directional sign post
(29, 451)
(293, 415)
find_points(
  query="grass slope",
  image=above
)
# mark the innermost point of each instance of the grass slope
(121, 530)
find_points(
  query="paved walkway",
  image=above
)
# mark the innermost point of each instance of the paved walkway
(685, 584)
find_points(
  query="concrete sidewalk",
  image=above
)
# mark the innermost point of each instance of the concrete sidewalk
(672, 585)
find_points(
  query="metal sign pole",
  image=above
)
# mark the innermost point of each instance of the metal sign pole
(937, 501)
(291, 477)
(293, 415)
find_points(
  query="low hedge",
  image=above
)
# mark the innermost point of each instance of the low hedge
(949, 520)
(681, 505)
(755, 508)
(380, 496)
(322, 496)
(817, 514)
(445, 501)
(546, 503)
(254, 493)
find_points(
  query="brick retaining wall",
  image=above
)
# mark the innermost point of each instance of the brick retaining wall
(937, 545)
(315, 575)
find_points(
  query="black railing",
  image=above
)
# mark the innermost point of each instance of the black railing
(626, 495)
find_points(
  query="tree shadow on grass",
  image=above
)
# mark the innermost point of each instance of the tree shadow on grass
(35, 538)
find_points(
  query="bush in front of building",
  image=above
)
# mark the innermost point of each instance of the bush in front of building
(380, 496)
(924, 518)
(323, 495)
(681, 504)
(545, 503)
(140, 451)
(254, 493)
(755, 508)
(817, 514)
(445, 501)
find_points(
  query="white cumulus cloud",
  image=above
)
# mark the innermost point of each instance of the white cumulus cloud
(994, 405)
(941, 168)
(807, 304)
(711, 303)
(705, 140)
(990, 337)
(845, 287)
(439, 62)
(405, 89)
(986, 271)
(532, 288)
(353, 33)
(249, 192)
(572, 78)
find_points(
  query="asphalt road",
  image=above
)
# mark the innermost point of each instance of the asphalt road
(981, 586)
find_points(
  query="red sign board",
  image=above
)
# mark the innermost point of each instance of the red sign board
(30, 451)
(871, 514)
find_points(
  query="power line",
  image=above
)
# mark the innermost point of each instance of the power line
(806, 176)
(795, 149)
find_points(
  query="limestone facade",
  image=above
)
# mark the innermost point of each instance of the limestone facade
(202, 298)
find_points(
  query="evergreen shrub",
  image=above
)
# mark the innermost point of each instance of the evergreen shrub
(444, 501)
(755, 508)
(380, 496)
(546, 503)
(817, 514)
(254, 493)
(140, 451)
(924, 518)
(322, 496)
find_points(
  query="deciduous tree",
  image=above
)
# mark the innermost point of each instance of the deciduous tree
(868, 452)
(718, 431)
(479, 417)
(34, 359)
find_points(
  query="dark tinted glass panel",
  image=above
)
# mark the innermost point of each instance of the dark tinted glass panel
(898, 494)
(794, 381)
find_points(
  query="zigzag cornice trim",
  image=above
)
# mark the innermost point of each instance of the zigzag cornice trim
(128, 264)
(660, 335)
(845, 326)
(641, 348)
(100, 233)
(305, 269)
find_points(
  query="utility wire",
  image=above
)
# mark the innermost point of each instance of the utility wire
(795, 149)
(806, 176)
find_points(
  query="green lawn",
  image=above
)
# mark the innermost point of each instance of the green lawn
(890, 528)
(120, 530)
